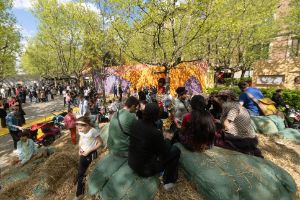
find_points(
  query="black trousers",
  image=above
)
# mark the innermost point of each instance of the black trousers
(169, 166)
(84, 163)
(15, 137)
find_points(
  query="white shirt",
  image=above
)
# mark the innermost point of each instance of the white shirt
(3, 92)
(86, 93)
(88, 141)
(84, 108)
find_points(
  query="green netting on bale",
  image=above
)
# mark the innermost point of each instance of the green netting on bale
(41, 189)
(290, 134)
(221, 174)
(113, 179)
(264, 125)
(104, 169)
(21, 173)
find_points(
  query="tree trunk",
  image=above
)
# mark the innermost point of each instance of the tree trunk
(243, 73)
(102, 82)
(167, 74)
(55, 82)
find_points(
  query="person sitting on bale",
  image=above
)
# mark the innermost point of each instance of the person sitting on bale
(89, 142)
(120, 127)
(27, 149)
(247, 98)
(149, 152)
(198, 127)
(181, 104)
(238, 134)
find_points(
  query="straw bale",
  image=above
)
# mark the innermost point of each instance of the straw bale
(183, 190)
(60, 170)
(283, 153)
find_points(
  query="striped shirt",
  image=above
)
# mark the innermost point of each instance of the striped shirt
(239, 120)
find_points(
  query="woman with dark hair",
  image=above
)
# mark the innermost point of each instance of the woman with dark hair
(238, 133)
(149, 152)
(141, 109)
(89, 142)
(198, 128)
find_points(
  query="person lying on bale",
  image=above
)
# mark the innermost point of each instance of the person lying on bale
(238, 134)
(120, 127)
(198, 127)
(149, 152)
(89, 142)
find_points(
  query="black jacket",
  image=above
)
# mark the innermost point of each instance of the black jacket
(147, 146)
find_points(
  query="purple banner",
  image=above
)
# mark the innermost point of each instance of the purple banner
(193, 86)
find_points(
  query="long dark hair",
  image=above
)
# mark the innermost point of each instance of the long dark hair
(201, 123)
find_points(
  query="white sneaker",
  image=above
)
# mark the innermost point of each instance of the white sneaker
(169, 186)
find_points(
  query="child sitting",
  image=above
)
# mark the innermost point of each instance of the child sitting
(26, 148)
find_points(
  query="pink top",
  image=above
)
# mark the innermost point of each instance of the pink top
(70, 121)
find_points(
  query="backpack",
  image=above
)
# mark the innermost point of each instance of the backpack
(266, 105)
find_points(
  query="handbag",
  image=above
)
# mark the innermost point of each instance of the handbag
(266, 105)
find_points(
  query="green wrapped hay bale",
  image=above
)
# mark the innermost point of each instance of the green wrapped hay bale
(41, 189)
(264, 125)
(290, 134)
(113, 179)
(278, 121)
(21, 173)
(103, 171)
(104, 133)
(221, 174)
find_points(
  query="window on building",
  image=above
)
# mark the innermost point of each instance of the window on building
(295, 48)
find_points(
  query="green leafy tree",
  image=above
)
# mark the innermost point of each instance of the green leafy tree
(159, 33)
(65, 32)
(9, 41)
(240, 35)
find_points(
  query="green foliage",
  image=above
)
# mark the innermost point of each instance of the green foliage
(9, 41)
(291, 97)
(235, 81)
(293, 19)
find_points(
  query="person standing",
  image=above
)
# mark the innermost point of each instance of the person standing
(83, 106)
(3, 93)
(3, 113)
(70, 123)
(246, 98)
(89, 142)
(12, 124)
(115, 90)
(120, 90)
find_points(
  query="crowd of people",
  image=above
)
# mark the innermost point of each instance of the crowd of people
(144, 130)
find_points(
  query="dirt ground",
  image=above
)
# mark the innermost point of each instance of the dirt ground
(59, 172)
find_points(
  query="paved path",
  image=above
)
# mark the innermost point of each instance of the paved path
(35, 112)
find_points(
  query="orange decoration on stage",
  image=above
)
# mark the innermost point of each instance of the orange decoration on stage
(141, 75)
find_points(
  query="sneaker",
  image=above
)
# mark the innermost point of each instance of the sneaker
(78, 198)
(169, 186)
